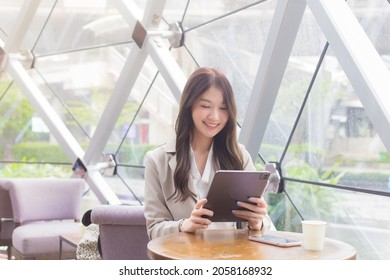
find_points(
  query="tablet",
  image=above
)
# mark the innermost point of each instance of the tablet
(230, 186)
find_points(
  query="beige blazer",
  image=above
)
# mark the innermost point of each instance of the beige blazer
(163, 215)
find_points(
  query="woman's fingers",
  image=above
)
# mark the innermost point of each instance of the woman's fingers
(199, 211)
(199, 204)
(259, 201)
(199, 217)
(252, 208)
(253, 211)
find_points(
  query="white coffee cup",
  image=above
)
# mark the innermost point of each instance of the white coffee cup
(313, 235)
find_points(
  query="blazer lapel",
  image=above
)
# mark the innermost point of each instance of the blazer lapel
(170, 148)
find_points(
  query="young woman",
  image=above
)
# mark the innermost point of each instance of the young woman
(178, 174)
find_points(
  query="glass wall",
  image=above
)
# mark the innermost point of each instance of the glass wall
(333, 163)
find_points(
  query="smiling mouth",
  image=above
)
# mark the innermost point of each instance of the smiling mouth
(212, 125)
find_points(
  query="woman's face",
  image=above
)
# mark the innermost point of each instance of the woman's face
(209, 113)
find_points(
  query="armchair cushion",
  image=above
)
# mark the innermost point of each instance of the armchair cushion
(43, 238)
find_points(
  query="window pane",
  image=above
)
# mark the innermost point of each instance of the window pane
(363, 225)
(74, 26)
(305, 55)
(236, 53)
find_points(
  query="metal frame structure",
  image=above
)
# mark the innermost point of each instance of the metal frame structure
(360, 60)
(284, 28)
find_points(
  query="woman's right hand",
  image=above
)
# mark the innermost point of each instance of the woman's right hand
(196, 220)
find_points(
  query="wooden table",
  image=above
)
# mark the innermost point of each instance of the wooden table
(73, 240)
(234, 245)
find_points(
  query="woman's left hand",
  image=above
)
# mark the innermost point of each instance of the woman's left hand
(257, 211)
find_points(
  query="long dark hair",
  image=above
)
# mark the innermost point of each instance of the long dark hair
(226, 153)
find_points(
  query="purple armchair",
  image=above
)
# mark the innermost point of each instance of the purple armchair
(122, 230)
(43, 209)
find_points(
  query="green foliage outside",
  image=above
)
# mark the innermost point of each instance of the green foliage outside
(32, 169)
(312, 201)
(39, 152)
(32, 152)
(39, 159)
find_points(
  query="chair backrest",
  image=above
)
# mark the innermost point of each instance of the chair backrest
(122, 230)
(37, 199)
